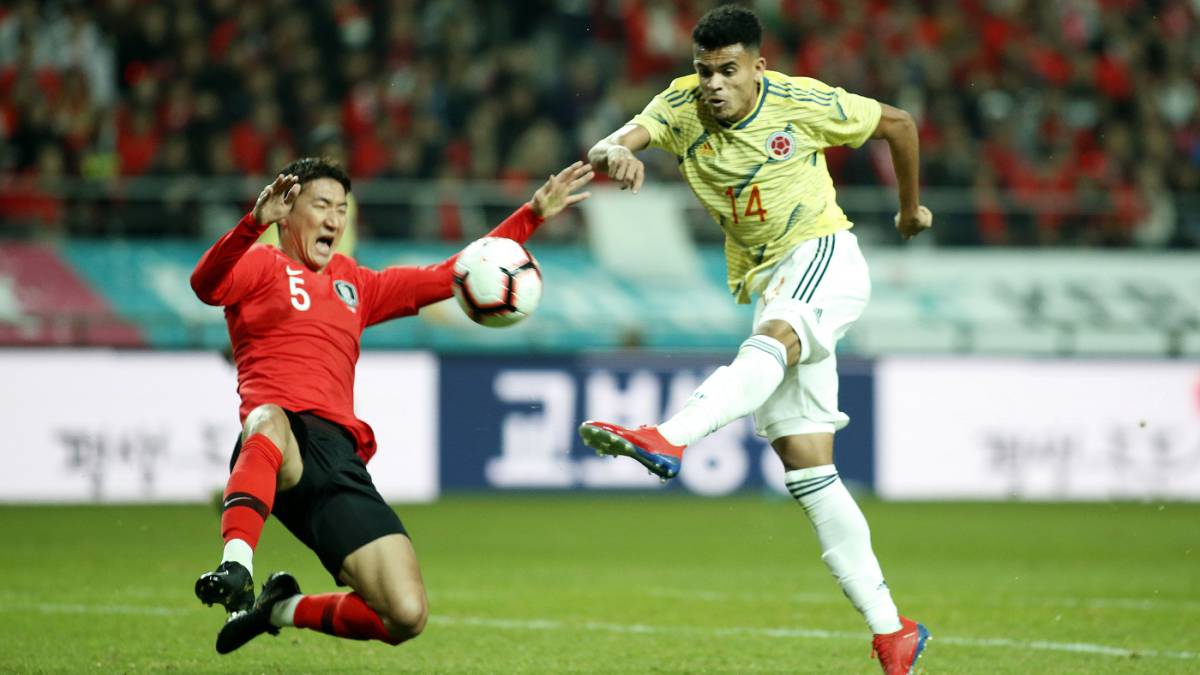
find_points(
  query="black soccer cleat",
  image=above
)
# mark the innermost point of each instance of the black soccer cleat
(243, 627)
(230, 585)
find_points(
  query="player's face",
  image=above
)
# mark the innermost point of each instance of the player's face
(729, 79)
(312, 230)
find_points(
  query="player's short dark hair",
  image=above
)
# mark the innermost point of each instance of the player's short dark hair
(312, 168)
(728, 25)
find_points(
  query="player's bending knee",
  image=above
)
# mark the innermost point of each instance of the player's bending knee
(778, 329)
(782, 332)
(270, 420)
(796, 325)
(405, 617)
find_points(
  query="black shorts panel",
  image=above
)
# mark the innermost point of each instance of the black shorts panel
(334, 509)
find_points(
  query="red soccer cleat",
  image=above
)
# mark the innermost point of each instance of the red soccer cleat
(644, 444)
(898, 652)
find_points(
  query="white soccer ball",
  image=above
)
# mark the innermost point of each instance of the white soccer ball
(497, 282)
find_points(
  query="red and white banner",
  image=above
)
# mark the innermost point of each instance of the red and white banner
(113, 426)
(971, 428)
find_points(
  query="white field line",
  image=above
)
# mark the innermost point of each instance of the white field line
(645, 629)
(833, 598)
(74, 608)
(1125, 603)
(649, 629)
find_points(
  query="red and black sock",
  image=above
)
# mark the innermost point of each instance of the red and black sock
(250, 491)
(345, 615)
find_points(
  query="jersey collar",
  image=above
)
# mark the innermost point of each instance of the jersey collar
(745, 121)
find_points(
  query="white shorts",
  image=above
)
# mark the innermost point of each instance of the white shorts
(821, 288)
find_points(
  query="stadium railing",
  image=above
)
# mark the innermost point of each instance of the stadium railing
(173, 205)
(130, 244)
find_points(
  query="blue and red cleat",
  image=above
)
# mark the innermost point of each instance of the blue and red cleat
(644, 444)
(898, 652)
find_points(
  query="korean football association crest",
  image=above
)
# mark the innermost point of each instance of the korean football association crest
(347, 293)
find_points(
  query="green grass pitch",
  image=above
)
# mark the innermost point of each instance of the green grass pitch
(630, 583)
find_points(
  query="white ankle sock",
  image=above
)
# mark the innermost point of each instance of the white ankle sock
(731, 392)
(284, 611)
(239, 551)
(845, 543)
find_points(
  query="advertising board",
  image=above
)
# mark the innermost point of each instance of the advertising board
(116, 426)
(510, 423)
(957, 428)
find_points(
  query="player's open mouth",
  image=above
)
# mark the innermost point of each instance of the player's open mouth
(716, 102)
(325, 244)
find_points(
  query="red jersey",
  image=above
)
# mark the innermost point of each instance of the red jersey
(296, 333)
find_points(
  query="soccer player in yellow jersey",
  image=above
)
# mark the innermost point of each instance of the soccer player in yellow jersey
(750, 143)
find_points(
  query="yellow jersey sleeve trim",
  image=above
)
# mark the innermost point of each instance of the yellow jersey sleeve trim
(832, 115)
(661, 117)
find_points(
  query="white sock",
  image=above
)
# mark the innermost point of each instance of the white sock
(845, 543)
(239, 551)
(731, 392)
(284, 611)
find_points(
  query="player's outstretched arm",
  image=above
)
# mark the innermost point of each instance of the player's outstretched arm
(896, 127)
(561, 190)
(402, 291)
(214, 279)
(558, 192)
(615, 155)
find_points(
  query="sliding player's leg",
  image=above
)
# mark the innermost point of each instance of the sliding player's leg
(387, 602)
(337, 512)
(266, 460)
(389, 596)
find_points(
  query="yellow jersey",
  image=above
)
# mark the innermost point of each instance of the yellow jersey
(762, 178)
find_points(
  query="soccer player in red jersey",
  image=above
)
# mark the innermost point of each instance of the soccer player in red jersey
(296, 316)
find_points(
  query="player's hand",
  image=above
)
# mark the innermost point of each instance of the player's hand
(276, 200)
(625, 168)
(910, 225)
(558, 192)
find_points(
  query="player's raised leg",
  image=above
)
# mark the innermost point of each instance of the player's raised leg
(731, 392)
(269, 460)
(387, 604)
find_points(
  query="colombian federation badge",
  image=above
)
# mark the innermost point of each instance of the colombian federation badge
(780, 146)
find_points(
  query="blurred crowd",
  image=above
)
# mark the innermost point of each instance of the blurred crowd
(1075, 122)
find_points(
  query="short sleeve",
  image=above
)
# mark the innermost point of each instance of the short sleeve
(661, 118)
(840, 117)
